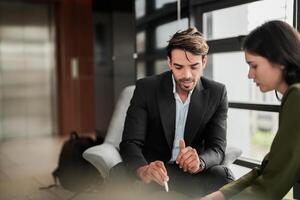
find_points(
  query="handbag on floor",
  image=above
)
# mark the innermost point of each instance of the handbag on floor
(73, 172)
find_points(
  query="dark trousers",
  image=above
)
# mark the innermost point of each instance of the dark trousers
(189, 185)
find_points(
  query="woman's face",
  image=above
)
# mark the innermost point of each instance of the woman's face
(267, 76)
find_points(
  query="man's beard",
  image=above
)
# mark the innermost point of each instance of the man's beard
(189, 87)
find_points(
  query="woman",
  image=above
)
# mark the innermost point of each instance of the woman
(273, 54)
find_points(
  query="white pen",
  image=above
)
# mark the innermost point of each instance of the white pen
(166, 186)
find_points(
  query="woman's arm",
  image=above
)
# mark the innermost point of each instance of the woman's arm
(283, 167)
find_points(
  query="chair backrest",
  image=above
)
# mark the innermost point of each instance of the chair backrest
(116, 125)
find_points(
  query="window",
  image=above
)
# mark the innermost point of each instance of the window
(161, 3)
(160, 66)
(164, 32)
(231, 69)
(140, 70)
(153, 30)
(224, 23)
(253, 133)
(255, 130)
(140, 42)
(140, 8)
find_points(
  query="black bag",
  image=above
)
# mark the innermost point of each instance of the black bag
(74, 172)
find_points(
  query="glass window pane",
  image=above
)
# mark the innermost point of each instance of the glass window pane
(239, 171)
(161, 3)
(232, 70)
(224, 23)
(253, 133)
(164, 32)
(139, 8)
(160, 66)
(140, 41)
(140, 70)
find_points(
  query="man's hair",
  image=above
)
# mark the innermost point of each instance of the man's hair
(190, 40)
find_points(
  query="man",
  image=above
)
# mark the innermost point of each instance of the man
(175, 128)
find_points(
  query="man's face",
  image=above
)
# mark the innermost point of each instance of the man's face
(187, 69)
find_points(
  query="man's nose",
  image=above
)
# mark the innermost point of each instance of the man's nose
(187, 73)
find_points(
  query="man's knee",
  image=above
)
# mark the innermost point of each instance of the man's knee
(222, 173)
(119, 174)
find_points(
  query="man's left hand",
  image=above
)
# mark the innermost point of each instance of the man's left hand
(188, 158)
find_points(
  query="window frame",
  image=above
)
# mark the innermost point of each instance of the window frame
(152, 19)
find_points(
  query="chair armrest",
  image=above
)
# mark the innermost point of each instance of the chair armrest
(103, 157)
(231, 154)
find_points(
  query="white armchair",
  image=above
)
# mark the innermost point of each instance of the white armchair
(106, 155)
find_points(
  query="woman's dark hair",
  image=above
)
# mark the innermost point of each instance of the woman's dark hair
(278, 42)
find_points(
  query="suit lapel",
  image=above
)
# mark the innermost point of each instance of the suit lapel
(167, 108)
(197, 109)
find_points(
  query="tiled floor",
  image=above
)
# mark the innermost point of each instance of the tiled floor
(26, 165)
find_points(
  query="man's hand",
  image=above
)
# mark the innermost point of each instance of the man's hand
(218, 195)
(188, 158)
(155, 171)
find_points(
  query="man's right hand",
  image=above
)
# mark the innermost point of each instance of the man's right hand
(155, 171)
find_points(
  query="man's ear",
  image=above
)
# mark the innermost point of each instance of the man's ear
(169, 62)
(204, 61)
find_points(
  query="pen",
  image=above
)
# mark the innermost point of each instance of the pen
(166, 186)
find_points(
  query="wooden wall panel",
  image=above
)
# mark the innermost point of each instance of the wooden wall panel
(75, 41)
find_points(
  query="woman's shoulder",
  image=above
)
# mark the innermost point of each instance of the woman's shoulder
(292, 92)
(295, 86)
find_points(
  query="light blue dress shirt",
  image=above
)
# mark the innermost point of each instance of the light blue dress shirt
(181, 115)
